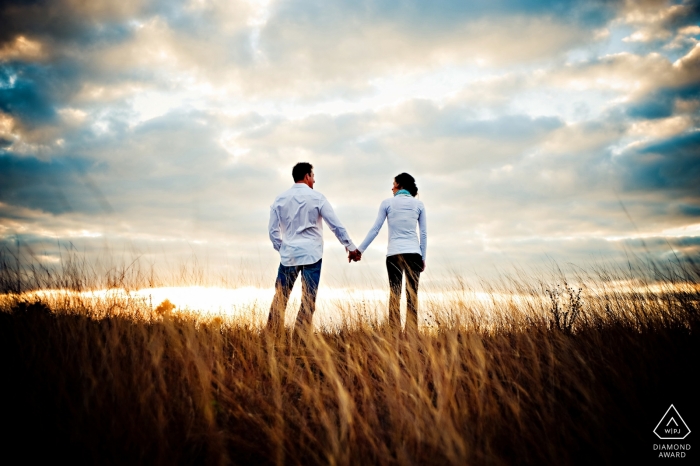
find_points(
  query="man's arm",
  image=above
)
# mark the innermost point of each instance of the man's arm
(274, 230)
(336, 227)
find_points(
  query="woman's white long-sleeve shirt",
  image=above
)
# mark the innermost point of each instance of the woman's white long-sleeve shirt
(402, 212)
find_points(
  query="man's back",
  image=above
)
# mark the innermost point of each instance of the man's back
(296, 229)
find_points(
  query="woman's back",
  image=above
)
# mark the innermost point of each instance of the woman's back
(402, 216)
(402, 212)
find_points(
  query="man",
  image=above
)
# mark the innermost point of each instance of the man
(296, 231)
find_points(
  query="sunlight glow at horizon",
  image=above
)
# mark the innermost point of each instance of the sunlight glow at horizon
(336, 305)
(163, 131)
(252, 304)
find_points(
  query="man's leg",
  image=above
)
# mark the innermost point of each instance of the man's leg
(414, 264)
(394, 267)
(310, 278)
(286, 276)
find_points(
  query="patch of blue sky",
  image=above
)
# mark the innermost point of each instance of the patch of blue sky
(8, 82)
(674, 53)
(619, 40)
(615, 42)
(606, 41)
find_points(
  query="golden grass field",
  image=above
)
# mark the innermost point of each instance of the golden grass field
(562, 373)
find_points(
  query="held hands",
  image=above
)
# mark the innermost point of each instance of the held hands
(355, 255)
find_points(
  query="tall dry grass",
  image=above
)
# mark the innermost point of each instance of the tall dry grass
(553, 375)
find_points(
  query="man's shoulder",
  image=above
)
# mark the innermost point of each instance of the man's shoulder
(313, 194)
(300, 193)
(283, 195)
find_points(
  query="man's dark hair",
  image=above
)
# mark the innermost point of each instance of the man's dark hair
(407, 182)
(300, 170)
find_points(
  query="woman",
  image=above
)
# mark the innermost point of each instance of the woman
(405, 254)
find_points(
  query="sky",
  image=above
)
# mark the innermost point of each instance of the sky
(539, 132)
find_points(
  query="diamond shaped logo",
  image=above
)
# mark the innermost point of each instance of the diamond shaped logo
(671, 426)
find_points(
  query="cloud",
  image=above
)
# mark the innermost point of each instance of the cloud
(54, 187)
(680, 86)
(346, 43)
(662, 103)
(23, 94)
(22, 49)
(659, 20)
(339, 45)
(672, 164)
(168, 127)
(65, 23)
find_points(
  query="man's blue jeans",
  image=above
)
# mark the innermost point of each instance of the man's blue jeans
(286, 276)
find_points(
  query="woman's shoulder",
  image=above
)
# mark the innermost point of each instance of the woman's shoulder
(403, 203)
(413, 201)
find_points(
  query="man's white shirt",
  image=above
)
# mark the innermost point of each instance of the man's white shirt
(296, 229)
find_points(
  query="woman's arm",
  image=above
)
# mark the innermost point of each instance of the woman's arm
(374, 231)
(423, 225)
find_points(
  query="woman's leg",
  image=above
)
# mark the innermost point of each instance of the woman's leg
(394, 267)
(414, 265)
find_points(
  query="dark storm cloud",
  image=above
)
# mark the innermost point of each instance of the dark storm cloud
(61, 25)
(660, 249)
(74, 41)
(24, 93)
(661, 102)
(32, 90)
(57, 186)
(672, 164)
(689, 210)
(687, 14)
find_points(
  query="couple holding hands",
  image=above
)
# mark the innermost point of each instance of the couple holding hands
(296, 232)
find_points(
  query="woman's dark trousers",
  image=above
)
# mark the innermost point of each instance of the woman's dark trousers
(396, 266)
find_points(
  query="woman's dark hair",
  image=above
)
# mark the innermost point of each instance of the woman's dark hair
(300, 170)
(407, 182)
